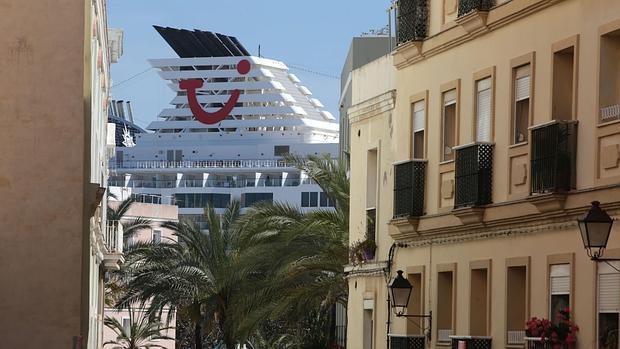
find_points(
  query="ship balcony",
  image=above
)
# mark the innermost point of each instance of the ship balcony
(211, 183)
(113, 245)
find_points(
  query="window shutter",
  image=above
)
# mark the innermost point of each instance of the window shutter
(522, 83)
(418, 116)
(483, 110)
(449, 97)
(608, 285)
(560, 279)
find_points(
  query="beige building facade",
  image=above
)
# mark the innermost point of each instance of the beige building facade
(56, 243)
(475, 147)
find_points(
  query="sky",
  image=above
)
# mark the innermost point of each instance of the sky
(311, 35)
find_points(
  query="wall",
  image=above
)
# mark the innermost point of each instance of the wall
(41, 172)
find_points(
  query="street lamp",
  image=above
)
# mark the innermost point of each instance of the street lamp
(595, 227)
(400, 288)
(400, 292)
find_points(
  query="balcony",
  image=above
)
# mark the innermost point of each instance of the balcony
(412, 20)
(469, 6)
(553, 157)
(474, 180)
(210, 183)
(407, 342)
(471, 342)
(113, 244)
(409, 185)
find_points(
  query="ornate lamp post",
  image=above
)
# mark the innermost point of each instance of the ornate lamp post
(595, 228)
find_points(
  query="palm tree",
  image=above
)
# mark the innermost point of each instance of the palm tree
(130, 226)
(140, 334)
(293, 261)
(196, 275)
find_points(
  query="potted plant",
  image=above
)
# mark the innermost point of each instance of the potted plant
(362, 251)
(542, 333)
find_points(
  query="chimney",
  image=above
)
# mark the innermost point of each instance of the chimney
(120, 109)
(129, 112)
(112, 107)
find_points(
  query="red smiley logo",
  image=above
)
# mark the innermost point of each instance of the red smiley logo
(243, 67)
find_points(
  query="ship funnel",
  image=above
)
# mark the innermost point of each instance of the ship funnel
(129, 111)
(120, 110)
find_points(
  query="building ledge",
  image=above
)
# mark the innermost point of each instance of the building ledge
(405, 227)
(365, 269)
(113, 261)
(469, 215)
(474, 22)
(548, 202)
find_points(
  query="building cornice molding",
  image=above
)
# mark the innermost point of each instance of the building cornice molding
(378, 105)
(375, 269)
(466, 233)
(498, 17)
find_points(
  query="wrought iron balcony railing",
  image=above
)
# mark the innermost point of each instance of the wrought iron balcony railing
(409, 183)
(472, 342)
(407, 342)
(371, 224)
(412, 20)
(467, 6)
(553, 157)
(474, 175)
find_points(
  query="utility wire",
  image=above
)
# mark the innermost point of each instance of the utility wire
(325, 75)
(132, 77)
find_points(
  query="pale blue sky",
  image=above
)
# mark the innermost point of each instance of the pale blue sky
(311, 34)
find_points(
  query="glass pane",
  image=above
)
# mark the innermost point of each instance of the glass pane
(608, 331)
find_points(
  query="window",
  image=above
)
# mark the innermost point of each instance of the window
(521, 112)
(253, 198)
(371, 178)
(608, 305)
(156, 236)
(609, 77)
(483, 110)
(174, 155)
(416, 303)
(418, 122)
(516, 309)
(445, 311)
(449, 125)
(305, 199)
(559, 289)
(147, 198)
(479, 302)
(126, 325)
(281, 150)
(563, 84)
(196, 200)
(325, 201)
(314, 199)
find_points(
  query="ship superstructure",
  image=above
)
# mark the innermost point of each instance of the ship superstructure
(200, 152)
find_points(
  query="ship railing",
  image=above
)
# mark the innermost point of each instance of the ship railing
(151, 164)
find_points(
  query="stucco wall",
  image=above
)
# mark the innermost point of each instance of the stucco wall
(41, 172)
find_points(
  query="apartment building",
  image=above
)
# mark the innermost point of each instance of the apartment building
(156, 214)
(56, 243)
(495, 125)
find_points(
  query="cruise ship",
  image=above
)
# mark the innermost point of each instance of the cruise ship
(233, 119)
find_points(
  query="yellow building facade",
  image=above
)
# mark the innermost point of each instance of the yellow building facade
(475, 147)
